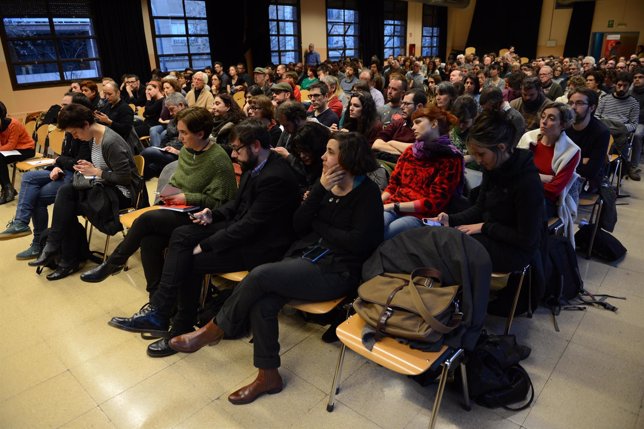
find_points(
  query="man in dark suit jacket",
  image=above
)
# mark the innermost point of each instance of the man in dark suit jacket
(253, 229)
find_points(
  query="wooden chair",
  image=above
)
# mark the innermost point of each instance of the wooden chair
(470, 50)
(503, 52)
(240, 98)
(525, 60)
(312, 307)
(304, 95)
(399, 358)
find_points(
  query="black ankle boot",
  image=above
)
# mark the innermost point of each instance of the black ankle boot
(46, 257)
(100, 273)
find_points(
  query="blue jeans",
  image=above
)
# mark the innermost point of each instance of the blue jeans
(155, 160)
(157, 133)
(37, 191)
(395, 224)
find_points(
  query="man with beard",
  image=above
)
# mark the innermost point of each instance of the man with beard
(637, 91)
(115, 113)
(590, 134)
(395, 90)
(392, 141)
(621, 113)
(550, 88)
(253, 229)
(531, 102)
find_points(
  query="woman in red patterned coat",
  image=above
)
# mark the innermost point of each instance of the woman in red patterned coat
(428, 174)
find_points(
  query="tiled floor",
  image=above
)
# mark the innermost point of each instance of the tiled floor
(63, 366)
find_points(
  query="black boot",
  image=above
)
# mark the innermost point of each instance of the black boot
(100, 273)
(46, 257)
(8, 194)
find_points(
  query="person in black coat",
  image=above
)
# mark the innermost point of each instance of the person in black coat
(508, 215)
(116, 113)
(339, 226)
(253, 229)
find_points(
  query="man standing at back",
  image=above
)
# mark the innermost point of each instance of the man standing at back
(311, 58)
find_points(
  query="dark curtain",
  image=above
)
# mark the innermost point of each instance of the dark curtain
(371, 16)
(441, 15)
(120, 38)
(499, 24)
(236, 27)
(579, 29)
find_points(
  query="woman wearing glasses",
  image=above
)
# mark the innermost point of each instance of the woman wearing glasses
(261, 107)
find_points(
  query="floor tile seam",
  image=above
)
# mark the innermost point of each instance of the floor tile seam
(362, 414)
(32, 386)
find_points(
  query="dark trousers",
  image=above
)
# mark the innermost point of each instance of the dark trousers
(260, 296)
(155, 160)
(65, 214)
(505, 258)
(183, 273)
(5, 181)
(151, 232)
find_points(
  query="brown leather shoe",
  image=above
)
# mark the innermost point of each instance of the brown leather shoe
(210, 334)
(267, 381)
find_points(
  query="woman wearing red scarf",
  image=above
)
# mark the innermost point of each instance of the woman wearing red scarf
(427, 175)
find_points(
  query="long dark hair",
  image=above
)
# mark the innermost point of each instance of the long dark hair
(368, 118)
(234, 113)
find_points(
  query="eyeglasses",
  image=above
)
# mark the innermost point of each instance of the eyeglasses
(237, 149)
(251, 107)
(312, 96)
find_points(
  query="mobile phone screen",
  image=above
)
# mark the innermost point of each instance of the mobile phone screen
(316, 253)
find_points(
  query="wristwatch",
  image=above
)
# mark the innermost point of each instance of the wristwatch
(396, 207)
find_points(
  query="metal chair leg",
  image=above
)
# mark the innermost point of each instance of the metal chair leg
(335, 386)
(464, 385)
(595, 228)
(441, 385)
(107, 245)
(508, 323)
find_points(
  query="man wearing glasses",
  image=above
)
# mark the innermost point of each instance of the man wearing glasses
(319, 110)
(253, 229)
(135, 93)
(590, 134)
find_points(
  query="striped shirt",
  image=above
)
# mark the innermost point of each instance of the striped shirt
(99, 162)
(625, 110)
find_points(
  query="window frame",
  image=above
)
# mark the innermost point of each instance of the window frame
(187, 35)
(430, 20)
(396, 12)
(55, 39)
(345, 5)
(297, 23)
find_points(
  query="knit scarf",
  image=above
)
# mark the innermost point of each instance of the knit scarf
(442, 146)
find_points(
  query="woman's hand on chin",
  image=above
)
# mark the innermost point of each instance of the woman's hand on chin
(331, 176)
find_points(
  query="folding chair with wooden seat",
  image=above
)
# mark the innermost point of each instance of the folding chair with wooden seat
(399, 358)
(470, 50)
(304, 95)
(240, 98)
(312, 307)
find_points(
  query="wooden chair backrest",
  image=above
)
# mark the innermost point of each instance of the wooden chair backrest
(240, 98)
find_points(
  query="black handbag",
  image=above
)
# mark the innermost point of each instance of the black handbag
(80, 182)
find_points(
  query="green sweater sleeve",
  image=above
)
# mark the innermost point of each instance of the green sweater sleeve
(207, 179)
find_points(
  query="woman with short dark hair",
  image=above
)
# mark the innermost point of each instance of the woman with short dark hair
(338, 232)
(112, 165)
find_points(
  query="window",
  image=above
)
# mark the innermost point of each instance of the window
(395, 27)
(180, 30)
(49, 42)
(284, 27)
(431, 31)
(342, 29)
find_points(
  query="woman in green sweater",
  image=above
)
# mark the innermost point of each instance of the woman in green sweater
(205, 177)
